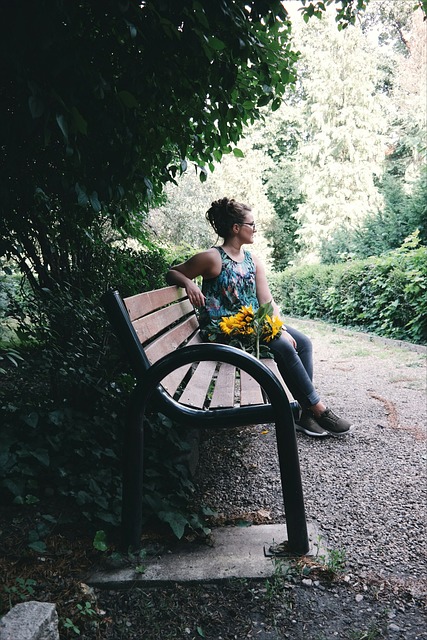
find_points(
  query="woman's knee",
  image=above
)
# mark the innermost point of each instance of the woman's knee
(282, 347)
(304, 343)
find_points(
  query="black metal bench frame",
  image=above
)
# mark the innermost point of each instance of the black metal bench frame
(149, 389)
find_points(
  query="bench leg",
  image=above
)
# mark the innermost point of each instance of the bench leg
(133, 474)
(290, 475)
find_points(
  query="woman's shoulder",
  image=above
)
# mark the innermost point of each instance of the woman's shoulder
(213, 254)
(250, 256)
(257, 261)
(210, 262)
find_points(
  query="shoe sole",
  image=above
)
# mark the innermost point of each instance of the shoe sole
(341, 433)
(311, 433)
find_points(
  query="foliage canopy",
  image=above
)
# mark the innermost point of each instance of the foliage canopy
(105, 102)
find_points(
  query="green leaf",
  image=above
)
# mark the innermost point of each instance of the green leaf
(41, 455)
(215, 43)
(248, 105)
(148, 184)
(200, 15)
(132, 29)
(50, 518)
(79, 121)
(82, 197)
(38, 546)
(176, 521)
(100, 541)
(62, 124)
(200, 632)
(128, 99)
(16, 488)
(36, 106)
(264, 100)
(96, 205)
(238, 153)
(285, 76)
(105, 516)
(31, 419)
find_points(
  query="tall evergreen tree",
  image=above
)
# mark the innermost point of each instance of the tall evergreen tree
(403, 184)
(344, 118)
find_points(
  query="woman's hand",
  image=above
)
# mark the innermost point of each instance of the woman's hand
(194, 294)
(289, 338)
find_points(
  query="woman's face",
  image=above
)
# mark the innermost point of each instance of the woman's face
(247, 228)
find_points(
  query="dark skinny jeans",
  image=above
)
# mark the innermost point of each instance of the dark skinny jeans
(296, 366)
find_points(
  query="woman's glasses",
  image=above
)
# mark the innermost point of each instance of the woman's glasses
(249, 224)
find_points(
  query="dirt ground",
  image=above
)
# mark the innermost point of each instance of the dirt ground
(367, 493)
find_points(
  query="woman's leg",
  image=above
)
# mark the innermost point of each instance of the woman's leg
(296, 366)
(304, 349)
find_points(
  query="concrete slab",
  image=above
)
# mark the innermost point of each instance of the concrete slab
(237, 552)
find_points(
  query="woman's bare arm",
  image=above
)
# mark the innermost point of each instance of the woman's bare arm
(206, 264)
(264, 294)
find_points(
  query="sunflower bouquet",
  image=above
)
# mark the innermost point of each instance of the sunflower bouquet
(249, 330)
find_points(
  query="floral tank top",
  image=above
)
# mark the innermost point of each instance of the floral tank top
(232, 288)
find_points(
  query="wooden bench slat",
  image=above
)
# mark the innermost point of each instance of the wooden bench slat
(250, 391)
(272, 364)
(224, 392)
(143, 303)
(150, 325)
(174, 379)
(194, 394)
(174, 339)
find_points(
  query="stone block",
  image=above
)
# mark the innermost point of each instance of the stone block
(30, 621)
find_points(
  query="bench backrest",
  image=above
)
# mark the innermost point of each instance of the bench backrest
(164, 320)
(155, 323)
(155, 313)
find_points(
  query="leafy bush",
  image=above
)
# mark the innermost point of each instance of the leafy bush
(9, 288)
(64, 409)
(386, 295)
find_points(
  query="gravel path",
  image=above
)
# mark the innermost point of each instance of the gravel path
(366, 491)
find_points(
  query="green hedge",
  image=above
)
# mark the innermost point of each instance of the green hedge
(385, 295)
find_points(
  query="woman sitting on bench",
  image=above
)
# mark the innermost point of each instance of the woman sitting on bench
(232, 278)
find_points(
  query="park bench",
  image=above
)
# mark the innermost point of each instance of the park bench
(197, 384)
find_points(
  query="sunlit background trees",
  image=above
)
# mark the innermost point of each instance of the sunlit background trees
(338, 171)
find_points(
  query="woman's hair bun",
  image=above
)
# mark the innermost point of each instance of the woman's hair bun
(224, 213)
